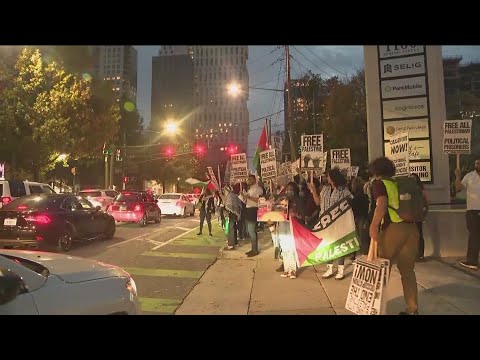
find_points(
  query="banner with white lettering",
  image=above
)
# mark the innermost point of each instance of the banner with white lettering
(398, 152)
(277, 144)
(367, 285)
(457, 136)
(332, 237)
(268, 164)
(340, 158)
(353, 171)
(213, 178)
(238, 168)
(312, 152)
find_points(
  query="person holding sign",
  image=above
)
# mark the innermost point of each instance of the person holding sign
(471, 182)
(251, 209)
(397, 239)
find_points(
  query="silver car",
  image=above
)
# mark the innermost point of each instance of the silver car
(99, 197)
(56, 284)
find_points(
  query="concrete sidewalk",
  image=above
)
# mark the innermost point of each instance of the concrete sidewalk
(236, 284)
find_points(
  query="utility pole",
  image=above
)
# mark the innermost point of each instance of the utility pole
(289, 105)
(270, 131)
(124, 157)
(112, 169)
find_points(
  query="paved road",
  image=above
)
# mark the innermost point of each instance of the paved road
(166, 260)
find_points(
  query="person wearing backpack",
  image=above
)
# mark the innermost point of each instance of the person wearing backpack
(397, 239)
(421, 243)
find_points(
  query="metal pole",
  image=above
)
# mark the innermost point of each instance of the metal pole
(112, 169)
(106, 171)
(124, 157)
(314, 115)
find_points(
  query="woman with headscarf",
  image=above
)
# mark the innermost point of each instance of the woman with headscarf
(233, 208)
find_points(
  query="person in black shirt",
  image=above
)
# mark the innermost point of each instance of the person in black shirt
(360, 207)
(207, 208)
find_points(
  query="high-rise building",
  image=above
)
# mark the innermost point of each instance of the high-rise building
(118, 65)
(172, 88)
(221, 120)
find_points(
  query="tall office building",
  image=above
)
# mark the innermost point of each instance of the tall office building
(118, 65)
(221, 120)
(172, 88)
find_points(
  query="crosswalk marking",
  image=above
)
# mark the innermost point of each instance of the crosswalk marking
(164, 272)
(180, 255)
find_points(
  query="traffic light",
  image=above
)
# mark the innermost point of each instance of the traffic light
(232, 149)
(125, 179)
(169, 151)
(106, 151)
(118, 156)
(199, 150)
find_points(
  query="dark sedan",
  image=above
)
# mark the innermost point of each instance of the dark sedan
(48, 221)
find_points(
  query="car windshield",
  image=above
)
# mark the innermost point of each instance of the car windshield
(33, 202)
(90, 193)
(32, 265)
(169, 197)
(129, 197)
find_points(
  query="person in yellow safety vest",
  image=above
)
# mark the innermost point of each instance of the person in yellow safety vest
(397, 239)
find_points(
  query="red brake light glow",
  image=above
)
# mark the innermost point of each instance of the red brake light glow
(138, 208)
(22, 207)
(127, 194)
(179, 203)
(6, 200)
(39, 219)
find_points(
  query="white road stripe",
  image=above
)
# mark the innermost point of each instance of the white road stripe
(182, 228)
(175, 238)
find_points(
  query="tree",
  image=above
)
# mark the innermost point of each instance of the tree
(49, 111)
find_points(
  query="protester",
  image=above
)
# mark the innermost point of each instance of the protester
(471, 183)
(233, 208)
(397, 240)
(219, 209)
(421, 241)
(251, 196)
(207, 208)
(335, 191)
(360, 204)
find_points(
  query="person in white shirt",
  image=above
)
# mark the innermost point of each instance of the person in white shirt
(251, 196)
(471, 183)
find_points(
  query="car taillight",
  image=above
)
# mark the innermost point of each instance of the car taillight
(178, 203)
(39, 219)
(138, 208)
(6, 200)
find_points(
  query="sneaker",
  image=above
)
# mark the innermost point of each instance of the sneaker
(340, 274)
(248, 252)
(253, 253)
(293, 275)
(329, 271)
(210, 234)
(407, 313)
(281, 268)
(285, 275)
(199, 233)
(468, 265)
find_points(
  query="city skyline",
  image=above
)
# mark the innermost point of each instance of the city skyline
(265, 71)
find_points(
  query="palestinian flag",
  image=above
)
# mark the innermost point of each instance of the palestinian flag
(332, 237)
(199, 183)
(262, 146)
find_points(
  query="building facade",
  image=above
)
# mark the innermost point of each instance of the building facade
(118, 65)
(172, 88)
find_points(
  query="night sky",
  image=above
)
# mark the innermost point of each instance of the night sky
(326, 60)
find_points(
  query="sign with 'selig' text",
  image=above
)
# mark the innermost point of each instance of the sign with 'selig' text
(312, 152)
(268, 164)
(457, 136)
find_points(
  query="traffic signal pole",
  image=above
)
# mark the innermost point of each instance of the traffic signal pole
(106, 171)
(112, 169)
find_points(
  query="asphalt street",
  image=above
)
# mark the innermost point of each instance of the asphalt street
(166, 260)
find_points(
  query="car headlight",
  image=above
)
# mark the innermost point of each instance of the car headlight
(131, 286)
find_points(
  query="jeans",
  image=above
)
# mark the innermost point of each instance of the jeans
(232, 232)
(252, 231)
(473, 227)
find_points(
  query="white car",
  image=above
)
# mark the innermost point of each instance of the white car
(175, 204)
(56, 284)
(98, 197)
(13, 189)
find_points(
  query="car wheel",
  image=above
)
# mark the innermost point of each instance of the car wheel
(143, 222)
(65, 241)
(110, 230)
(157, 220)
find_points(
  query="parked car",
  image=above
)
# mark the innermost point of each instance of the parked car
(13, 189)
(99, 197)
(48, 221)
(175, 204)
(135, 206)
(42, 283)
(193, 198)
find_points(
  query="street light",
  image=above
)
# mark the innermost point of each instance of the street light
(171, 127)
(234, 89)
